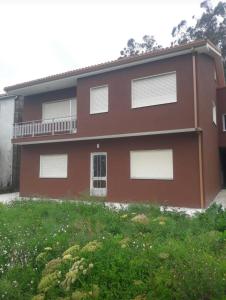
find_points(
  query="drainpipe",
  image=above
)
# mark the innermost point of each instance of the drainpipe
(196, 124)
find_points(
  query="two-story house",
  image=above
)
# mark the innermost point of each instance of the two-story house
(142, 128)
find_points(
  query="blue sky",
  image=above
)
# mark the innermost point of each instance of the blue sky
(45, 37)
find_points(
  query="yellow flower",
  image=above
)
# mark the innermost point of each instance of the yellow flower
(163, 255)
(124, 216)
(137, 282)
(162, 223)
(73, 250)
(141, 219)
(52, 266)
(78, 295)
(92, 246)
(38, 297)
(67, 257)
(48, 249)
(48, 281)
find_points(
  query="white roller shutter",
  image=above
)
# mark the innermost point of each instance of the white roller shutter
(99, 99)
(53, 166)
(59, 109)
(154, 90)
(151, 164)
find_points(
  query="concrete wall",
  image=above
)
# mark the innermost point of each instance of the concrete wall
(7, 105)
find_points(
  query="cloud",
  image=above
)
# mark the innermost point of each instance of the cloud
(40, 38)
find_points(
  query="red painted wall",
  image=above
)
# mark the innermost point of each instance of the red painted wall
(210, 148)
(121, 118)
(182, 191)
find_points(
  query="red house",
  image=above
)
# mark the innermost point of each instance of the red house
(150, 127)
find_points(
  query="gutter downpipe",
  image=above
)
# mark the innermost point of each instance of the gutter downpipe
(200, 144)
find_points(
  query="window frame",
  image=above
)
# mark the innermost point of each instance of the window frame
(98, 87)
(57, 101)
(48, 177)
(151, 76)
(149, 178)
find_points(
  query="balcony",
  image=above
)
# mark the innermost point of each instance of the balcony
(47, 127)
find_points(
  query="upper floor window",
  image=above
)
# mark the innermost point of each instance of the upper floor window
(58, 110)
(214, 114)
(154, 90)
(99, 99)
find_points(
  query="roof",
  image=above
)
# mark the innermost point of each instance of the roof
(116, 64)
(5, 96)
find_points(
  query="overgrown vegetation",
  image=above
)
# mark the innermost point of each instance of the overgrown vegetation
(52, 250)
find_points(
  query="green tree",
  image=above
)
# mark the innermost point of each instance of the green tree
(211, 25)
(147, 44)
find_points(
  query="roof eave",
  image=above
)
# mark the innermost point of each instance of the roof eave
(71, 80)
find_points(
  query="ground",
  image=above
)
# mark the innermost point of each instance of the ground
(68, 250)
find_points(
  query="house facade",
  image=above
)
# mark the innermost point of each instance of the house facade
(143, 128)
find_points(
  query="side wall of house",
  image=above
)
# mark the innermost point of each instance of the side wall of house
(183, 190)
(6, 148)
(210, 148)
(221, 110)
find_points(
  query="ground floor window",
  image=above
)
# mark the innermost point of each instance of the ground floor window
(53, 166)
(151, 164)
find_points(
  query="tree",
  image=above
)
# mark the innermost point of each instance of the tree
(148, 44)
(211, 25)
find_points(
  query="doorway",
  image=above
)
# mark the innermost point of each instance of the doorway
(98, 174)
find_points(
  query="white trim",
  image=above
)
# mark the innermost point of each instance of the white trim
(224, 128)
(112, 136)
(52, 155)
(213, 49)
(92, 154)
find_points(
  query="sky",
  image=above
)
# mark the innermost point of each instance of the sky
(44, 37)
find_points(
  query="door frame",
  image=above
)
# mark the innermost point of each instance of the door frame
(92, 154)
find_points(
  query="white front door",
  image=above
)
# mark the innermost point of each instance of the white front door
(98, 174)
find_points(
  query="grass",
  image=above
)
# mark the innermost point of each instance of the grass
(141, 253)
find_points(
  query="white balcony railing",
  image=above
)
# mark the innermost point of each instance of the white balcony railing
(45, 127)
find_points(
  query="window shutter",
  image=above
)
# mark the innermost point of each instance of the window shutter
(53, 166)
(151, 164)
(154, 90)
(58, 109)
(99, 100)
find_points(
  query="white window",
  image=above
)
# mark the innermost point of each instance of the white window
(151, 164)
(214, 114)
(99, 99)
(154, 90)
(59, 109)
(53, 166)
(224, 122)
